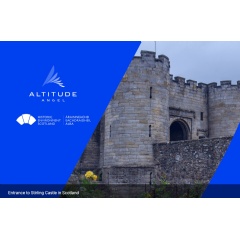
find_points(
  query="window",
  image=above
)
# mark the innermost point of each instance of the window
(201, 116)
(150, 130)
(150, 92)
(110, 130)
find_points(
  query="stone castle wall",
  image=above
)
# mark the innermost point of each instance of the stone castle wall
(128, 175)
(91, 155)
(224, 108)
(189, 162)
(183, 162)
(187, 100)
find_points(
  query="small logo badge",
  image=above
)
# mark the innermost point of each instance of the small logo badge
(53, 78)
(26, 119)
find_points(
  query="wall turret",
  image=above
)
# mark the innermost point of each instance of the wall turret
(224, 108)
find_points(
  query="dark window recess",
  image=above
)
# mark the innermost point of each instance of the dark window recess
(110, 130)
(201, 116)
(150, 92)
(150, 130)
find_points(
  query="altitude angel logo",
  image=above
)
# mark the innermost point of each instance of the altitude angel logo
(53, 78)
(54, 96)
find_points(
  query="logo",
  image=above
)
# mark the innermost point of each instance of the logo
(26, 119)
(53, 78)
(53, 96)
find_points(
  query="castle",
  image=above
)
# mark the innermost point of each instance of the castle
(155, 125)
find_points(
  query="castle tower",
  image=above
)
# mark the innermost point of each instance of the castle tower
(138, 115)
(224, 108)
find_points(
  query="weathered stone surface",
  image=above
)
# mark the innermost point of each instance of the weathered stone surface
(189, 162)
(90, 157)
(224, 109)
(129, 175)
(74, 179)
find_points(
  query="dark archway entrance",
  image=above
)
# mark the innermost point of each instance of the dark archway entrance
(178, 131)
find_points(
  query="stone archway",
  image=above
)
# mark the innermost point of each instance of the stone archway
(179, 130)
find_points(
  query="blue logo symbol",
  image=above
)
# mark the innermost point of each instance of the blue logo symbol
(53, 78)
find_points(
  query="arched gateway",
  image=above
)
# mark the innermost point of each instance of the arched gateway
(179, 130)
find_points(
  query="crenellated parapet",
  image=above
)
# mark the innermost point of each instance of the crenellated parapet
(225, 84)
(191, 84)
(149, 59)
(182, 82)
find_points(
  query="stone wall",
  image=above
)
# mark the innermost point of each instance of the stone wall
(91, 155)
(186, 101)
(128, 175)
(187, 162)
(224, 109)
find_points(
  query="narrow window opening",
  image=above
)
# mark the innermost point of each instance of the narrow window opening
(201, 116)
(110, 131)
(150, 130)
(150, 92)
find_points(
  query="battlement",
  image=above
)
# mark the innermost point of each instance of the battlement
(150, 58)
(225, 84)
(152, 55)
(148, 55)
(182, 82)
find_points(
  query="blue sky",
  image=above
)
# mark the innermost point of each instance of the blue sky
(200, 61)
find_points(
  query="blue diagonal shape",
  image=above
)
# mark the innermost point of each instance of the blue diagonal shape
(226, 180)
(43, 154)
